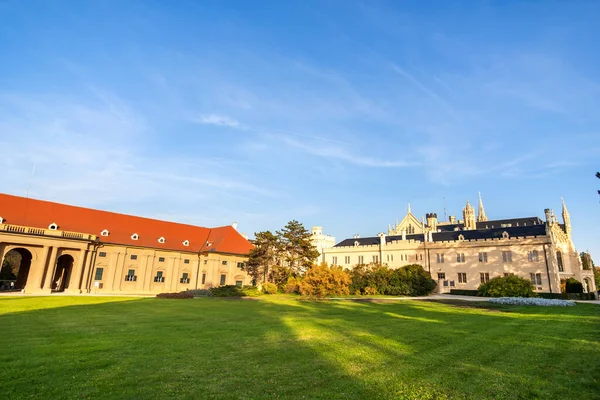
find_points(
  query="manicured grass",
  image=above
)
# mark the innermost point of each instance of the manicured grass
(106, 348)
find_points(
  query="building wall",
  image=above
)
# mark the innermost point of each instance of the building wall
(47, 246)
(403, 252)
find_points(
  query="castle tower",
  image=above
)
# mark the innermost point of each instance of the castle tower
(469, 217)
(432, 221)
(566, 219)
(481, 217)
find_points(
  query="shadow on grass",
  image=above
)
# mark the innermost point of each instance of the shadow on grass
(151, 348)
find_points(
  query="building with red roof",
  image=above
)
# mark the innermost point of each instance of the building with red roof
(74, 249)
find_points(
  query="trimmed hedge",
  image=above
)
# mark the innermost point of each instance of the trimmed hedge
(201, 292)
(176, 295)
(567, 296)
(464, 292)
(235, 291)
(410, 280)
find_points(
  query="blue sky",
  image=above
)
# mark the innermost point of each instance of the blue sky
(335, 113)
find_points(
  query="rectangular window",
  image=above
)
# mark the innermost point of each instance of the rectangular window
(334, 260)
(441, 275)
(506, 256)
(483, 257)
(224, 262)
(361, 259)
(536, 279)
(99, 273)
(133, 257)
(102, 254)
(241, 265)
(184, 278)
(186, 261)
(391, 257)
(203, 279)
(440, 258)
(223, 279)
(460, 257)
(205, 262)
(462, 277)
(239, 283)
(161, 259)
(533, 256)
(375, 259)
(484, 277)
(159, 277)
(130, 277)
(347, 260)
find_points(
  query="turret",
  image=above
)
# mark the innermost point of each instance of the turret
(317, 230)
(548, 213)
(469, 217)
(566, 219)
(432, 221)
(481, 217)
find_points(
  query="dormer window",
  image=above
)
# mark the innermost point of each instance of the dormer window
(186, 243)
(208, 244)
(505, 235)
(53, 226)
(135, 236)
(461, 237)
(1, 220)
(356, 243)
(104, 232)
(161, 240)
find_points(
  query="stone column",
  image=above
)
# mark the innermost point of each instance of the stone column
(75, 284)
(50, 271)
(34, 284)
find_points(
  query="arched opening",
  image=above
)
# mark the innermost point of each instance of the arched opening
(15, 269)
(62, 276)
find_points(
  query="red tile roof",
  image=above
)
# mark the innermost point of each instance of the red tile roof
(40, 214)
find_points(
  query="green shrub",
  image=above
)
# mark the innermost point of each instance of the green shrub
(464, 292)
(176, 295)
(507, 286)
(410, 280)
(321, 280)
(292, 285)
(573, 286)
(235, 291)
(369, 291)
(269, 288)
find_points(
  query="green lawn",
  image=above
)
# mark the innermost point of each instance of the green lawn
(96, 347)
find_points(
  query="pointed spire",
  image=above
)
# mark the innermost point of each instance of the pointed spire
(481, 217)
(566, 218)
(409, 207)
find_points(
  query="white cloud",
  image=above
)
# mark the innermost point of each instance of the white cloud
(218, 120)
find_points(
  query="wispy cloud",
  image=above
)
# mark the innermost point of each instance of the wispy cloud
(341, 153)
(219, 120)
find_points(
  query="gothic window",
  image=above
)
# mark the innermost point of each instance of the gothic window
(559, 259)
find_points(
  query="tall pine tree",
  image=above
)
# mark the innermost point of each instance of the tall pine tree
(298, 251)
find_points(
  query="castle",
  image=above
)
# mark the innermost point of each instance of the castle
(462, 254)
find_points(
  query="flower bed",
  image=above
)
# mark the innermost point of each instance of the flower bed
(531, 301)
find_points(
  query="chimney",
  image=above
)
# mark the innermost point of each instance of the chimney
(430, 236)
(403, 234)
(381, 238)
(356, 236)
(452, 219)
(234, 225)
(548, 213)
